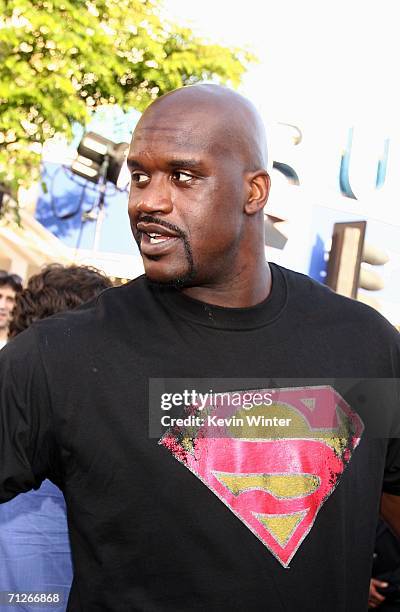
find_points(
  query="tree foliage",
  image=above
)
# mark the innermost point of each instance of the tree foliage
(61, 58)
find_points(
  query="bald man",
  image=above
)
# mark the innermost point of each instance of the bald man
(200, 420)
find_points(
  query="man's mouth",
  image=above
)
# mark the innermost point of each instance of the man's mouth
(155, 238)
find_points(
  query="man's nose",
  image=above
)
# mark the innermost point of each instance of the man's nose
(156, 198)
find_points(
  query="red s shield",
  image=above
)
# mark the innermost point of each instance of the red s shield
(272, 465)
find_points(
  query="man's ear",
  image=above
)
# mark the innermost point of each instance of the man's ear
(259, 185)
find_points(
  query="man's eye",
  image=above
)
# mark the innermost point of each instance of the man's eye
(182, 177)
(139, 177)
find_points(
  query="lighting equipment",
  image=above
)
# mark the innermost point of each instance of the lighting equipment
(99, 159)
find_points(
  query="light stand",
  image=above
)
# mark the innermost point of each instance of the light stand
(100, 203)
(99, 160)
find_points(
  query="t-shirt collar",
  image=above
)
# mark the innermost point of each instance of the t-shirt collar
(221, 317)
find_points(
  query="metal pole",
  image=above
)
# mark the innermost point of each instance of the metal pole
(100, 203)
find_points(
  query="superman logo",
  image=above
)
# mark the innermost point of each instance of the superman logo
(274, 481)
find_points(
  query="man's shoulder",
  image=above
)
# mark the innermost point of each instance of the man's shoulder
(93, 328)
(110, 309)
(314, 301)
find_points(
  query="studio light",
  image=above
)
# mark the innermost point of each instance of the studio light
(99, 159)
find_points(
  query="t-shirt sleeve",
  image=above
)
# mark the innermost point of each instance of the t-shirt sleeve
(391, 477)
(24, 417)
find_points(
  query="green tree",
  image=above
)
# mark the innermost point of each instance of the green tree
(59, 59)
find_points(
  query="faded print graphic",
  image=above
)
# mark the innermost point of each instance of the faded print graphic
(274, 479)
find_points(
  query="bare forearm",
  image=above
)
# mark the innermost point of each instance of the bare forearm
(390, 511)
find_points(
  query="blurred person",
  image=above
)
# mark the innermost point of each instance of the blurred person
(186, 522)
(10, 285)
(34, 543)
(55, 289)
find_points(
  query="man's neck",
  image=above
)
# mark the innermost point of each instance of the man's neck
(242, 292)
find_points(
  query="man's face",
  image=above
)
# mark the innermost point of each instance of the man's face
(185, 200)
(7, 302)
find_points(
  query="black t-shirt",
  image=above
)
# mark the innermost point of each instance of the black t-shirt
(182, 522)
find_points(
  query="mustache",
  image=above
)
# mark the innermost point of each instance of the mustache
(186, 278)
(166, 224)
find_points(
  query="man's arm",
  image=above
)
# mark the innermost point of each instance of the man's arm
(390, 511)
(25, 438)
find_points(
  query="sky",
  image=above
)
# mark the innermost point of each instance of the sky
(319, 61)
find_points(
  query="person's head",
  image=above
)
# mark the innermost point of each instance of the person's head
(56, 289)
(198, 162)
(10, 286)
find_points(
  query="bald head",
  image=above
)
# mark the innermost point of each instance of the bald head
(221, 120)
(199, 184)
